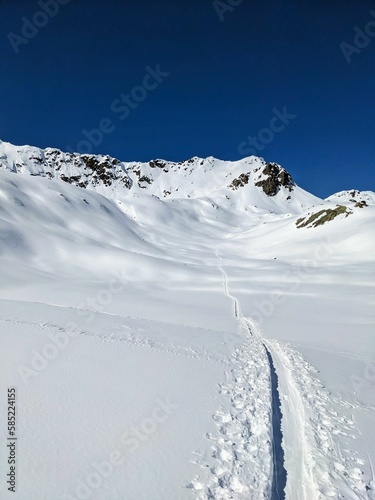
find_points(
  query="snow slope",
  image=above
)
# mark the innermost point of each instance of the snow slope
(196, 344)
(353, 196)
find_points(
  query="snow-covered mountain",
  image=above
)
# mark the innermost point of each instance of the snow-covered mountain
(353, 196)
(250, 182)
(208, 323)
(247, 184)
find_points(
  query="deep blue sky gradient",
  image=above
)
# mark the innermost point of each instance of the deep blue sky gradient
(225, 78)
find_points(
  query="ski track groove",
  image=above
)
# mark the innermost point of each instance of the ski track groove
(278, 471)
(248, 460)
(293, 454)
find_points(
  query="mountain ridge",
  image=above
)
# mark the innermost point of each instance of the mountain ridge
(239, 185)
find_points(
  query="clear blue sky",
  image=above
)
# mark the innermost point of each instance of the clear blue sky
(225, 79)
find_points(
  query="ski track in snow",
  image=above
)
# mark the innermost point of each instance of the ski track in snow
(317, 465)
(277, 441)
(279, 476)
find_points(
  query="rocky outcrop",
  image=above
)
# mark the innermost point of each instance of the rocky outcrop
(84, 171)
(275, 177)
(323, 216)
(241, 181)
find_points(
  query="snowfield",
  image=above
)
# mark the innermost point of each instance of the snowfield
(173, 333)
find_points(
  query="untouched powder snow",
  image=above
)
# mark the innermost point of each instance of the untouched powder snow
(182, 337)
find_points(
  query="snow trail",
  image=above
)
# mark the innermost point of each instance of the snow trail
(279, 472)
(277, 441)
(247, 456)
(300, 482)
(236, 307)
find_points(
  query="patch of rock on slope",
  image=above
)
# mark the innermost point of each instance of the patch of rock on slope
(273, 178)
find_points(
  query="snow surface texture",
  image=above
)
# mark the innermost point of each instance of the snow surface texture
(172, 333)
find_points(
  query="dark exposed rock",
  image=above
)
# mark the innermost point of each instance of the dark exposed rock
(36, 159)
(157, 163)
(277, 177)
(361, 204)
(271, 169)
(241, 181)
(270, 185)
(323, 216)
(285, 178)
(127, 182)
(71, 179)
(144, 178)
(104, 169)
